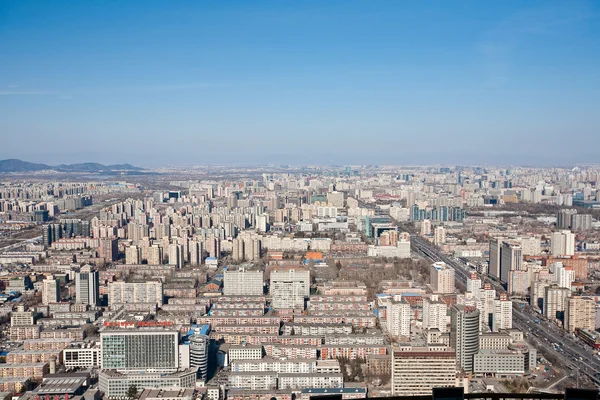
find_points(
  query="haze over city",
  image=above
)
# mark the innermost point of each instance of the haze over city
(150, 83)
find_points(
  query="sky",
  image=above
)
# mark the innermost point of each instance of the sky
(301, 82)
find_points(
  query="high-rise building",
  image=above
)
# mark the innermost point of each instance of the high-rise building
(564, 218)
(135, 292)
(581, 313)
(238, 249)
(502, 313)
(435, 314)
(336, 199)
(199, 354)
(262, 222)
(289, 286)
(243, 283)
(439, 236)
(417, 370)
(109, 248)
(474, 284)
(563, 276)
(87, 286)
(464, 335)
(176, 255)
(562, 243)
(50, 291)
(494, 267)
(155, 255)
(140, 350)
(511, 257)
(398, 318)
(581, 222)
(556, 301)
(425, 227)
(133, 255)
(442, 278)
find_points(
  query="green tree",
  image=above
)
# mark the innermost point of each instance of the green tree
(132, 392)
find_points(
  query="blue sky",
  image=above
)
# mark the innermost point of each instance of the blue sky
(162, 82)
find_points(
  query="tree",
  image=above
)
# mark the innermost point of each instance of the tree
(132, 392)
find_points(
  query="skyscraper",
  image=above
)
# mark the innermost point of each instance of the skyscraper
(494, 267)
(464, 335)
(87, 286)
(511, 257)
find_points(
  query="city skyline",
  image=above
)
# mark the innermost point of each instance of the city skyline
(300, 83)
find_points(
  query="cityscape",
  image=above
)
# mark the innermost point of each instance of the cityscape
(326, 200)
(361, 281)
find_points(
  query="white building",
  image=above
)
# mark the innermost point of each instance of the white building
(442, 278)
(398, 318)
(289, 286)
(135, 292)
(435, 314)
(562, 243)
(50, 291)
(243, 283)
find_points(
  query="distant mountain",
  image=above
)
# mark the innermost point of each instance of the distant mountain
(14, 165)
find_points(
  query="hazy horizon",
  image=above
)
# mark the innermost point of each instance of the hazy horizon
(302, 82)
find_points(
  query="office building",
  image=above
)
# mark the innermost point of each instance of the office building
(464, 335)
(199, 344)
(87, 286)
(140, 350)
(115, 385)
(511, 256)
(243, 283)
(494, 265)
(442, 278)
(289, 286)
(417, 370)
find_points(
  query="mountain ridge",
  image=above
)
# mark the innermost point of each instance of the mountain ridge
(16, 165)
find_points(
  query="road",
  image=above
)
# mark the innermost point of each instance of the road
(574, 354)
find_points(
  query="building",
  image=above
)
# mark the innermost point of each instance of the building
(115, 385)
(564, 218)
(494, 266)
(140, 350)
(439, 235)
(87, 286)
(176, 255)
(511, 256)
(289, 286)
(245, 352)
(155, 255)
(435, 314)
(581, 313)
(442, 278)
(464, 335)
(21, 317)
(243, 283)
(417, 370)
(501, 362)
(502, 313)
(133, 255)
(83, 355)
(135, 292)
(556, 301)
(398, 317)
(50, 291)
(562, 243)
(199, 353)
